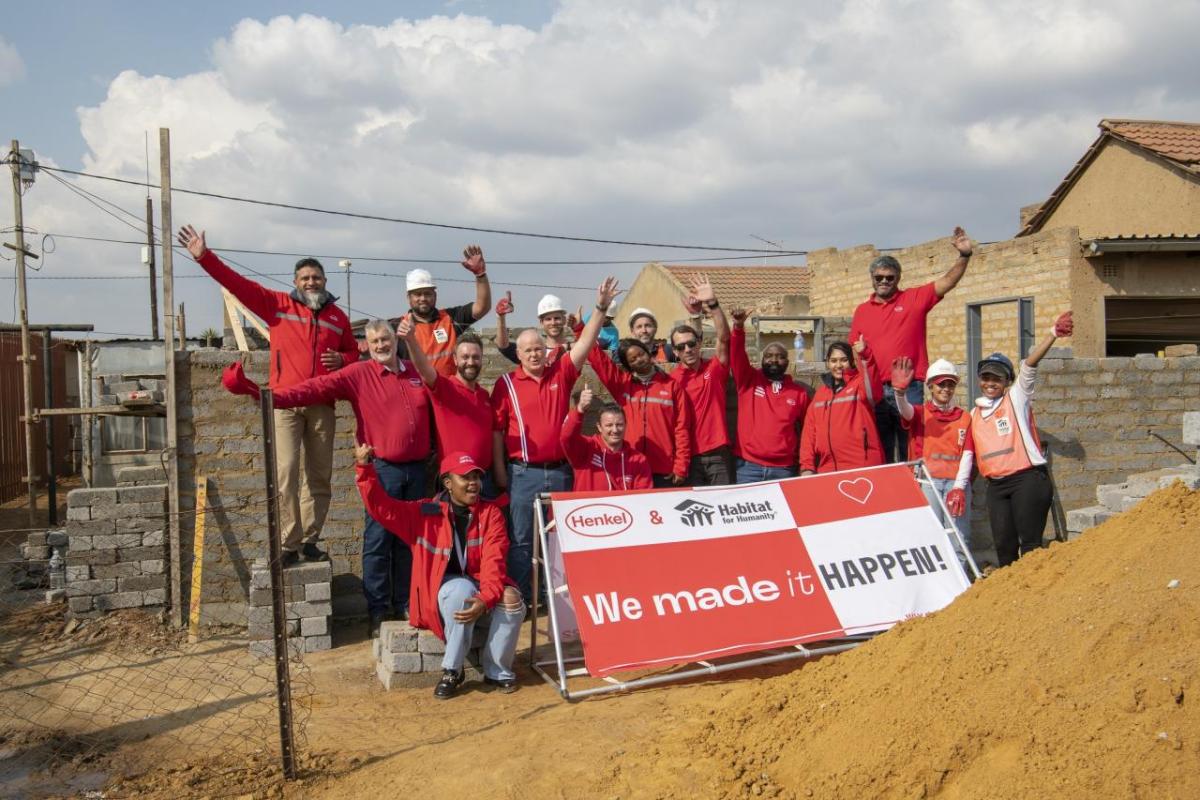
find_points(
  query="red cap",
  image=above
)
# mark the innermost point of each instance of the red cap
(459, 463)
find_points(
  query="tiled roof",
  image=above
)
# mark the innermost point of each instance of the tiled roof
(1175, 142)
(746, 286)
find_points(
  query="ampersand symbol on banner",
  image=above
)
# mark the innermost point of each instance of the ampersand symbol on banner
(656, 518)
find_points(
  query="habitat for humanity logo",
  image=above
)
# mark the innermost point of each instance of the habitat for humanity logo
(693, 513)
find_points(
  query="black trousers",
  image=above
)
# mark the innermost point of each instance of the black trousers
(1018, 505)
(714, 468)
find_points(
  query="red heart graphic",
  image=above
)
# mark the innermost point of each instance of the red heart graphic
(859, 490)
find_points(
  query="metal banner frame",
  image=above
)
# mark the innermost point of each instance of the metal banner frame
(559, 670)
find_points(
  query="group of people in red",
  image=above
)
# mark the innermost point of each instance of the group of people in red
(461, 554)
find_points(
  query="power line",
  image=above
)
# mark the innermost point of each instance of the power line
(403, 221)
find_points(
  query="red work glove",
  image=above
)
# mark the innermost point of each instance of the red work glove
(902, 373)
(473, 260)
(956, 501)
(234, 379)
(505, 306)
(1064, 326)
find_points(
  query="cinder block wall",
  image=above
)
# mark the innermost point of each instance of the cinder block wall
(1094, 415)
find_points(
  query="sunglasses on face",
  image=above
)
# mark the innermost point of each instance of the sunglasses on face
(688, 345)
(884, 278)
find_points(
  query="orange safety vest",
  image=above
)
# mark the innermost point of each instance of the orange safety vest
(436, 340)
(999, 445)
(942, 444)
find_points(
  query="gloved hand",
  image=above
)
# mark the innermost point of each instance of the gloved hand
(234, 379)
(902, 373)
(956, 502)
(505, 306)
(1064, 326)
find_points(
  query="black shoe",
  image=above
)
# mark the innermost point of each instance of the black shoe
(290, 559)
(503, 685)
(373, 623)
(313, 553)
(448, 686)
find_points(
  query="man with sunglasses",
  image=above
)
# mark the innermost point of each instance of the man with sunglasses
(893, 321)
(703, 381)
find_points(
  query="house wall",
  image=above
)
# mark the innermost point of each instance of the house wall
(1126, 192)
(654, 289)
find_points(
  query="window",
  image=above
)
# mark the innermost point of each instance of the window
(132, 434)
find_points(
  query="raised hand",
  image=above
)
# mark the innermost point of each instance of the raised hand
(607, 292)
(1063, 326)
(405, 329)
(505, 306)
(738, 315)
(962, 243)
(473, 261)
(192, 241)
(702, 289)
(860, 345)
(902, 373)
(585, 398)
(693, 305)
(363, 454)
(956, 502)
(575, 320)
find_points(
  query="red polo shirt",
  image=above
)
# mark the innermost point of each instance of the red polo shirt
(463, 419)
(391, 408)
(768, 411)
(705, 388)
(530, 411)
(896, 327)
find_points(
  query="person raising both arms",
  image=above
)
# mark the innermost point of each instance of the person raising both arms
(552, 317)
(839, 430)
(1003, 442)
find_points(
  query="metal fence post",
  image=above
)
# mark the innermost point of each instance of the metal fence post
(283, 684)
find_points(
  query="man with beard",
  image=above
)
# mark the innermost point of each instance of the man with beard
(659, 417)
(392, 412)
(552, 316)
(310, 336)
(462, 409)
(770, 409)
(436, 330)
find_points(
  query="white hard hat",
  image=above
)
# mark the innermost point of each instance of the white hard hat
(549, 304)
(941, 369)
(419, 279)
(641, 312)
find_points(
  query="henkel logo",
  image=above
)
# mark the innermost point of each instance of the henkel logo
(599, 519)
(693, 513)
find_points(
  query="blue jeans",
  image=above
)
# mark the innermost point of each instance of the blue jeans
(961, 524)
(892, 437)
(387, 561)
(749, 472)
(524, 484)
(503, 629)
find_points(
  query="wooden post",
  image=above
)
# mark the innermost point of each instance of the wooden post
(150, 265)
(23, 311)
(48, 402)
(88, 419)
(182, 343)
(197, 559)
(172, 454)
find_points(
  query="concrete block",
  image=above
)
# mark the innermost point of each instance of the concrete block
(1112, 496)
(37, 539)
(259, 630)
(92, 497)
(142, 494)
(91, 557)
(107, 542)
(314, 626)
(401, 662)
(1176, 350)
(260, 579)
(112, 512)
(140, 553)
(79, 605)
(90, 528)
(258, 615)
(153, 539)
(142, 583)
(150, 474)
(265, 648)
(318, 572)
(139, 524)
(129, 540)
(36, 552)
(1189, 480)
(398, 636)
(1148, 361)
(154, 597)
(154, 566)
(428, 643)
(376, 649)
(1083, 518)
(78, 573)
(79, 513)
(92, 587)
(78, 544)
(317, 591)
(56, 595)
(122, 569)
(108, 602)
(150, 509)
(313, 644)
(1191, 428)
(303, 608)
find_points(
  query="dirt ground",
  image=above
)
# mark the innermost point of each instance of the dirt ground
(1071, 674)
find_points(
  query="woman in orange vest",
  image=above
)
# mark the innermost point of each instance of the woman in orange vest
(1004, 444)
(937, 430)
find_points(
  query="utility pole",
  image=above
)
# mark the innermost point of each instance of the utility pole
(150, 264)
(172, 452)
(345, 264)
(15, 162)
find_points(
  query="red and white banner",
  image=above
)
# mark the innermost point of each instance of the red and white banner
(668, 577)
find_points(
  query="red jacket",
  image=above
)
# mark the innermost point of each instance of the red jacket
(767, 410)
(658, 417)
(599, 469)
(425, 526)
(839, 431)
(298, 334)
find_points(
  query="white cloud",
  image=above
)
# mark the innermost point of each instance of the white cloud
(12, 68)
(811, 123)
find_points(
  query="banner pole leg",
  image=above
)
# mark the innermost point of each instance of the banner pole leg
(543, 532)
(952, 529)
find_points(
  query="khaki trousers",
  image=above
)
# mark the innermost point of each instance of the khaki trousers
(303, 478)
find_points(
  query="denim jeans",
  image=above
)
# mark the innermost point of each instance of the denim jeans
(892, 437)
(961, 524)
(503, 628)
(524, 484)
(749, 472)
(387, 561)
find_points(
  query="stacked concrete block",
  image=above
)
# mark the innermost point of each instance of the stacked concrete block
(405, 656)
(307, 593)
(1114, 498)
(116, 548)
(117, 389)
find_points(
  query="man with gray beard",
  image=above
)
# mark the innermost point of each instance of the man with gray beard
(310, 337)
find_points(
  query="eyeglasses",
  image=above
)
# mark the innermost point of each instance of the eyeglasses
(688, 345)
(885, 278)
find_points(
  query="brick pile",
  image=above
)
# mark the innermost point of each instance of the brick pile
(307, 592)
(405, 656)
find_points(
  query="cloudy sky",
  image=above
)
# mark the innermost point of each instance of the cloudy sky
(705, 123)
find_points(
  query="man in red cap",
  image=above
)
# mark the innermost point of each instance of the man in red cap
(459, 546)
(310, 336)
